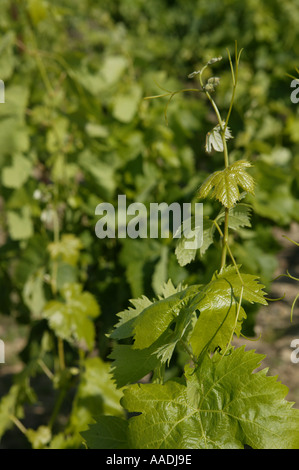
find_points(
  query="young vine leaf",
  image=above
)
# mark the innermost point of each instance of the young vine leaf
(160, 326)
(130, 365)
(186, 255)
(155, 320)
(219, 309)
(224, 184)
(123, 329)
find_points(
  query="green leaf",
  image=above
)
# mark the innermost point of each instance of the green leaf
(219, 307)
(126, 105)
(221, 405)
(155, 319)
(214, 328)
(100, 171)
(16, 175)
(135, 256)
(65, 274)
(20, 225)
(274, 198)
(16, 101)
(33, 292)
(183, 325)
(38, 10)
(238, 216)
(96, 130)
(113, 68)
(186, 255)
(168, 289)
(109, 432)
(14, 136)
(253, 290)
(130, 365)
(63, 441)
(57, 134)
(40, 437)
(208, 235)
(8, 60)
(96, 395)
(224, 184)
(124, 328)
(68, 249)
(72, 320)
(32, 258)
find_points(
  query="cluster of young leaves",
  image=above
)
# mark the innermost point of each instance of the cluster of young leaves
(219, 401)
(75, 131)
(157, 328)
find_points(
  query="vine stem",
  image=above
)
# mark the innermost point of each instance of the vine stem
(235, 80)
(61, 354)
(46, 369)
(188, 351)
(236, 320)
(225, 240)
(159, 374)
(223, 126)
(226, 164)
(57, 407)
(230, 253)
(54, 286)
(18, 423)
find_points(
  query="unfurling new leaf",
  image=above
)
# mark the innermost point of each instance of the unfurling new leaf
(214, 138)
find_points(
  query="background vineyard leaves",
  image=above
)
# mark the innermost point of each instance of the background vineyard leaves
(75, 131)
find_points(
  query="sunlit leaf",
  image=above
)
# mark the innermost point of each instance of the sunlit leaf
(96, 395)
(224, 184)
(67, 248)
(16, 175)
(221, 405)
(72, 320)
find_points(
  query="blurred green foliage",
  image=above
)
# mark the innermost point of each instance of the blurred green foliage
(75, 131)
